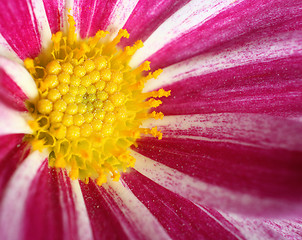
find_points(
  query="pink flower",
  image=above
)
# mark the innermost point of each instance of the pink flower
(229, 165)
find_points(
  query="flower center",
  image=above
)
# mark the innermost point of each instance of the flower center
(90, 104)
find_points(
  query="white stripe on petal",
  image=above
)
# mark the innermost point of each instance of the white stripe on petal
(84, 227)
(120, 15)
(204, 193)
(192, 15)
(258, 130)
(137, 214)
(14, 198)
(13, 121)
(261, 50)
(7, 52)
(43, 25)
(20, 76)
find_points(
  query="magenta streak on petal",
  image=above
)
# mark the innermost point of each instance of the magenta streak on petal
(235, 26)
(261, 172)
(19, 28)
(180, 217)
(10, 93)
(273, 88)
(94, 15)
(147, 17)
(44, 212)
(12, 152)
(54, 14)
(103, 213)
(289, 229)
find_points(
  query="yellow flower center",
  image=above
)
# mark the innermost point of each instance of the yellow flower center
(90, 105)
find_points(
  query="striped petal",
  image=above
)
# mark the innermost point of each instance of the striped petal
(181, 218)
(147, 16)
(49, 211)
(236, 24)
(55, 12)
(24, 39)
(271, 87)
(13, 202)
(244, 157)
(185, 19)
(125, 217)
(12, 153)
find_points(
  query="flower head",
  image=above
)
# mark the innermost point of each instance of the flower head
(228, 165)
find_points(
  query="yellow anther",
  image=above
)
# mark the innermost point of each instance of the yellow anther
(64, 78)
(75, 81)
(100, 85)
(111, 46)
(107, 130)
(51, 81)
(71, 37)
(90, 106)
(157, 115)
(82, 108)
(73, 132)
(101, 180)
(153, 103)
(117, 99)
(86, 81)
(91, 98)
(56, 38)
(95, 76)
(58, 130)
(99, 114)
(56, 116)
(67, 120)
(69, 98)
(109, 117)
(30, 65)
(79, 71)
(116, 176)
(111, 87)
(102, 95)
(72, 109)
(108, 106)
(86, 130)
(78, 119)
(38, 144)
(91, 89)
(100, 63)
(89, 65)
(88, 117)
(63, 88)
(98, 104)
(82, 90)
(73, 90)
(53, 67)
(44, 106)
(100, 34)
(145, 66)
(67, 67)
(96, 124)
(54, 95)
(105, 74)
(60, 105)
(156, 133)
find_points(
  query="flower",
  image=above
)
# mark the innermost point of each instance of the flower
(229, 164)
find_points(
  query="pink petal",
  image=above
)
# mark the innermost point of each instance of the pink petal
(55, 14)
(12, 204)
(189, 17)
(147, 16)
(18, 26)
(49, 209)
(228, 174)
(93, 15)
(273, 87)
(181, 218)
(263, 229)
(12, 153)
(107, 219)
(235, 25)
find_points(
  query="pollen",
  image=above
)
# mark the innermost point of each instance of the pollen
(90, 105)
